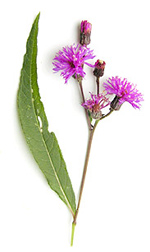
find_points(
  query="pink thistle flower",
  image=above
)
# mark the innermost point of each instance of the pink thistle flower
(96, 104)
(124, 91)
(71, 59)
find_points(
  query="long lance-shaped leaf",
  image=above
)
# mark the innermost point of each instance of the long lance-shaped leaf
(43, 145)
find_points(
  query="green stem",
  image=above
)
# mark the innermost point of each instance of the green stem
(104, 116)
(72, 233)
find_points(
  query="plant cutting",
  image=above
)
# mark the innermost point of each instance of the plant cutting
(69, 62)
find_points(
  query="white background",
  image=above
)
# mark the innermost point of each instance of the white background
(115, 209)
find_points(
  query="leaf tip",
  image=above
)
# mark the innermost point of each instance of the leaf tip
(37, 17)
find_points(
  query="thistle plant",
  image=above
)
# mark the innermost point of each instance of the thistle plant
(69, 61)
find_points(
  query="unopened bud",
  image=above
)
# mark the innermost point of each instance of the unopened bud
(99, 68)
(85, 33)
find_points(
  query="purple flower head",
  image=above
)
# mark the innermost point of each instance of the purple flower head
(96, 104)
(71, 59)
(124, 91)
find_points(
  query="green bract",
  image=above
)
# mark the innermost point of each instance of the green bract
(42, 143)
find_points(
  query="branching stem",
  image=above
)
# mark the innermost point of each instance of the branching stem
(91, 134)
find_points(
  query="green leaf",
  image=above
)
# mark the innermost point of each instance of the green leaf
(42, 143)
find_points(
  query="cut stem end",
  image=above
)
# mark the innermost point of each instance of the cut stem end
(72, 233)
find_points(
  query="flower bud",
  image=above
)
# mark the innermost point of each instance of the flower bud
(99, 68)
(85, 33)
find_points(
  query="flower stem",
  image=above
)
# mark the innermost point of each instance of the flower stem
(104, 116)
(83, 100)
(91, 134)
(85, 169)
(97, 81)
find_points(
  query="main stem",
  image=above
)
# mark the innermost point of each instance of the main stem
(91, 133)
(84, 172)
